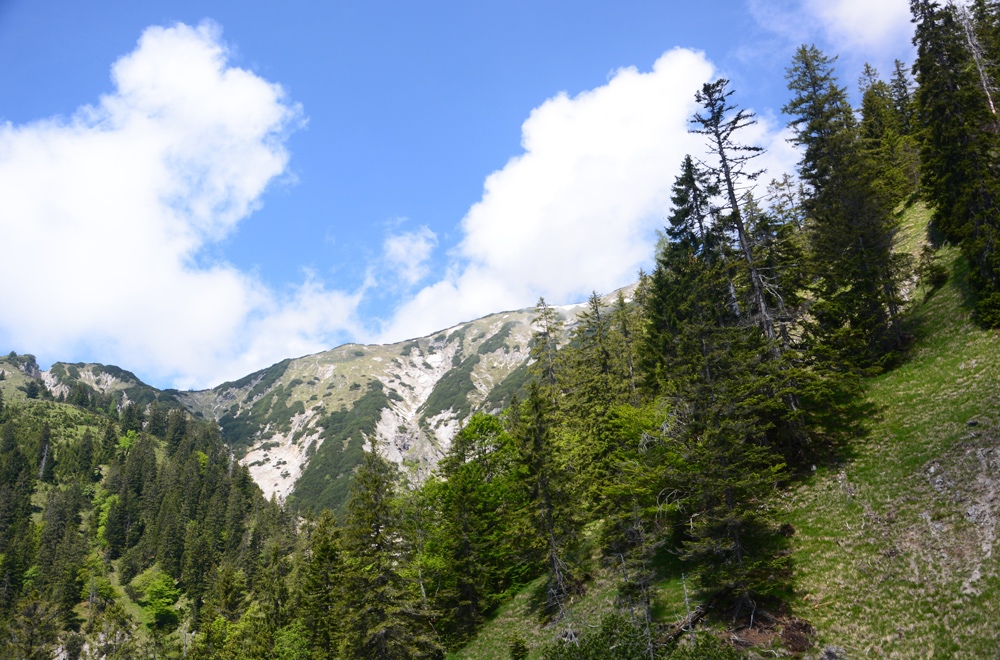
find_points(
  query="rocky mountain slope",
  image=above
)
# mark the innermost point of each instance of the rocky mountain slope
(302, 424)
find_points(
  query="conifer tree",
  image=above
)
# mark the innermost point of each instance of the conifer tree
(109, 442)
(176, 428)
(481, 548)
(691, 221)
(545, 348)
(958, 150)
(549, 508)
(902, 98)
(718, 378)
(384, 622)
(627, 322)
(720, 124)
(880, 136)
(323, 588)
(157, 419)
(115, 637)
(32, 632)
(851, 228)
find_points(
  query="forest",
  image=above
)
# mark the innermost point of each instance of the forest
(660, 438)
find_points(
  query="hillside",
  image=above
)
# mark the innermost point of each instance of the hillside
(300, 424)
(895, 535)
(895, 539)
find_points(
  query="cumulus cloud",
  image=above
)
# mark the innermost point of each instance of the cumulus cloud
(407, 254)
(106, 215)
(873, 26)
(877, 31)
(578, 210)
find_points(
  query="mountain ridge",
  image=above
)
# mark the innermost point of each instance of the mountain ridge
(301, 424)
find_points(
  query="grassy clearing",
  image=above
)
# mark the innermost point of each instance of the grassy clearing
(894, 550)
(521, 616)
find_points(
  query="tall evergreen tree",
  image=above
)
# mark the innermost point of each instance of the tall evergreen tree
(477, 536)
(32, 632)
(384, 621)
(323, 589)
(880, 137)
(551, 515)
(902, 97)
(851, 227)
(959, 146)
(545, 346)
(718, 122)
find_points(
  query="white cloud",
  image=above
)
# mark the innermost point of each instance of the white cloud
(876, 27)
(877, 31)
(579, 209)
(105, 214)
(407, 254)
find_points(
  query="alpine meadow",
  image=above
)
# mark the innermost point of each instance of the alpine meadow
(782, 441)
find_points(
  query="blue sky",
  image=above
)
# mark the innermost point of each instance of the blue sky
(196, 190)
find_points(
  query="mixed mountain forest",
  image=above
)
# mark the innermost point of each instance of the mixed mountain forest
(717, 464)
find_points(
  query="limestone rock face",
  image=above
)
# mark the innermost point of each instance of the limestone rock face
(411, 397)
(279, 418)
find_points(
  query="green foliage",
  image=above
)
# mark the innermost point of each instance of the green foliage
(545, 349)
(323, 590)
(159, 594)
(882, 137)
(498, 340)
(326, 481)
(452, 391)
(475, 541)
(518, 649)
(959, 139)
(617, 639)
(292, 642)
(33, 630)
(127, 442)
(550, 514)
(382, 622)
(851, 228)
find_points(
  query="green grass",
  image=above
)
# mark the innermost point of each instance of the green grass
(894, 545)
(521, 616)
(892, 559)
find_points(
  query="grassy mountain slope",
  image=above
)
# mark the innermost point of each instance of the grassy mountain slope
(895, 545)
(896, 538)
(413, 396)
(301, 424)
(61, 378)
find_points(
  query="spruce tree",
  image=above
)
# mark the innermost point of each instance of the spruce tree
(545, 347)
(958, 149)
(718, 122)
(719, 377)
(851, 228)
(880, 136)
(384, 622)
(323, 607)
(550, 512)
(902, 98)
(482, 551)
(32, 633)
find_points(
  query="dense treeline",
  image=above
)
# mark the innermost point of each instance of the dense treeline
(664, 424)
